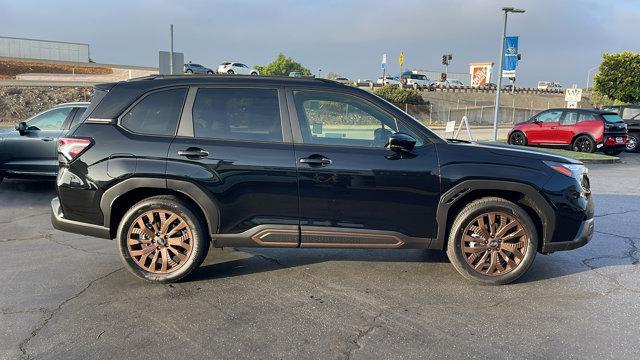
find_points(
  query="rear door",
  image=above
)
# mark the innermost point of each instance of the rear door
(236, 143)
(354, 192)
(568, 126)
(34, 152)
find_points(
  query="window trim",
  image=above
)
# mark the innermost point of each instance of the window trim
(186, 129)
(142, 97)
(297, 131)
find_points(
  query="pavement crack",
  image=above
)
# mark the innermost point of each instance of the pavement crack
(362, 333)
(24, 217)
(616, 213)
(66, 244)
(51, 313)
(268, 258)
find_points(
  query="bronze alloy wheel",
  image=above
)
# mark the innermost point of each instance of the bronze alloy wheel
(494, 243)
(159, 241)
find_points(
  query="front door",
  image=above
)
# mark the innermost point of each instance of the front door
(544, 128)
(353, 190)
(237, 145)
(35, 151)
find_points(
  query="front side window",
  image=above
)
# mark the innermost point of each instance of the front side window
(50, 120)
(631, 113)
(237, 114)
(156, 114)
(549, 116)
(78, 116)
(336, 119)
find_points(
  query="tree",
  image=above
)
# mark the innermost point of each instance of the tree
(332, 75)
(398, 95)
(618, 77)
(282, 65)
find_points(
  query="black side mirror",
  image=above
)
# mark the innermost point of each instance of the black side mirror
(22, 127)
(401, 143)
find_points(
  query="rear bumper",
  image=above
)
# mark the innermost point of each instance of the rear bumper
(59, 222)
(585, 232)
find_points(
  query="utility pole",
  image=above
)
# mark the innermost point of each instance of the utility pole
(496, 114)
(171, 52)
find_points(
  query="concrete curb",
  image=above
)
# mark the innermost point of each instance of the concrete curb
(614, 160)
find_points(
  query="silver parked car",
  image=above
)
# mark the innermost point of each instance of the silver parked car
(192, 68)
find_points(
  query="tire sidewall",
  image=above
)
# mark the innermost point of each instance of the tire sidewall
(593, 143)
(199, 246)
(511, 142)
(454, 247)
(637, 138)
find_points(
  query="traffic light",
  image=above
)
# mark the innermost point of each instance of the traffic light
(446, 58)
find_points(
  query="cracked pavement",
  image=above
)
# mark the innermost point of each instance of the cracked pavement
(67, 296)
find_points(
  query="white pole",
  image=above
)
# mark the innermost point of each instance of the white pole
(171, 53)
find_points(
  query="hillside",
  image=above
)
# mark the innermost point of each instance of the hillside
(10, 68)
(19, 103)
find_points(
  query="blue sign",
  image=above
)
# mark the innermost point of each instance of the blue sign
(510, 59)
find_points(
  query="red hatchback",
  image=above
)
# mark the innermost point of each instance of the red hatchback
(584, 130)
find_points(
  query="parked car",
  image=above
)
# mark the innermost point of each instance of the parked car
(388, 80)
(295, 74)
(29, 150)
(171, 165)
(584, 130)
(548, 85)
(449, 82)
(232, 68)
(630, 114)
(417, 79)
(192, 68)
(342, 80)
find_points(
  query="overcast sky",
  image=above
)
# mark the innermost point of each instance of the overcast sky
(560, 40)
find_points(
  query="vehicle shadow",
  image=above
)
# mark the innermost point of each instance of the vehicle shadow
(26, 192)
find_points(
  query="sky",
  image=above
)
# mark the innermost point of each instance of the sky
(560, 40)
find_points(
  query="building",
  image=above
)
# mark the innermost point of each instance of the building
(43, 50)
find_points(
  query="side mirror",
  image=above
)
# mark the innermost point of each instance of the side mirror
(22, 127)
(401, 143)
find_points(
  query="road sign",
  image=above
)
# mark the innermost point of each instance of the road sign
(572, 104)
(573, 95)
(384, 61)
(451, 127)
(401, 58)
(164, 63)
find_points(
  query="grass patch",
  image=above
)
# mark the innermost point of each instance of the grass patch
(578, 155)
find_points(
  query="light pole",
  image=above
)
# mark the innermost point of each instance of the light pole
(506, 10)
(171, 52)
(589, 76)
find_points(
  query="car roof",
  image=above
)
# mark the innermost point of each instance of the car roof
(591, 110)
(158, 81)
(77, 104)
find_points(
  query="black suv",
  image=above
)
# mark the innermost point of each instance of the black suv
(631, 116)
(168, 165)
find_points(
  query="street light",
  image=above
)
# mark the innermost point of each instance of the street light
(506, 10)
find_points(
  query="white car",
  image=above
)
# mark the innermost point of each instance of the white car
(230, 67)
(450, 82)
(548, 85)
(418, 79)
(389, 80)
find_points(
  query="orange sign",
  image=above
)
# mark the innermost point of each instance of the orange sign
(480, 73)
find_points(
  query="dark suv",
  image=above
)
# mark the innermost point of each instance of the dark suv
(169, 165)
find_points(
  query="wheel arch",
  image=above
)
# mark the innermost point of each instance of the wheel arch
(580, 134)
(118, 199)
(524, 195)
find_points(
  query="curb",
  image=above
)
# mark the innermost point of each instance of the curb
(615, 160)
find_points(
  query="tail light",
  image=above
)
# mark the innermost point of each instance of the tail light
(70, 148)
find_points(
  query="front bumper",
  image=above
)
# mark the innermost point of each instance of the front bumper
(59, 222)
(585, 232)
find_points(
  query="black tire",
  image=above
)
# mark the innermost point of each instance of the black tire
(209, 72)
(230, 72)
(189, 71)
(583, 143)
(465, 220)
(517, 138)
(633, 142)
(1, 178)
(198, 240)
(612, 152)
(254, 73)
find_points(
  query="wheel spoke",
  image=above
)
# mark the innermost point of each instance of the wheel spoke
(181, 256)
(481, 262)
(518, 233)
(143, 227)
(180, 226)
(152, 266)
(164, 259)
(493, 263)
(165, 224)
(476, 249)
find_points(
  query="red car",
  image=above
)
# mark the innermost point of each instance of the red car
(584, 130)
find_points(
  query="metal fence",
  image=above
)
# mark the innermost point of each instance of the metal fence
(438, 114)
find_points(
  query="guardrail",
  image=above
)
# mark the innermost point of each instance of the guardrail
(464, 89)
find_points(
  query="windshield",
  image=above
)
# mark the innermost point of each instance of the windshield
(612, 118)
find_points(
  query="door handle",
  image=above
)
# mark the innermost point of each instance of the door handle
(554, 127)
(193, 153)
(317, 161)
(47, 138)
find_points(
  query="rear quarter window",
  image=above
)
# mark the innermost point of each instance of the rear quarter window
(156, 114)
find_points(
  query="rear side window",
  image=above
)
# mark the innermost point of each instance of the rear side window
(586, 116)
(569, 118)
(237, 114)
(156, 114)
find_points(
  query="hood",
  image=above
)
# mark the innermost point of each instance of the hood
(500, 149)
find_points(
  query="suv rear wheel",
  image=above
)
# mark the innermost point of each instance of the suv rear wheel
(160, 239)
(632, 142)
(492, 241)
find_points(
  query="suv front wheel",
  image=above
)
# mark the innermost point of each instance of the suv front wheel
(492, 241)
(161, 239)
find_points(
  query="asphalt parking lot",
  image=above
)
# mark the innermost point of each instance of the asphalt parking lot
(68, 296)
